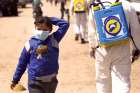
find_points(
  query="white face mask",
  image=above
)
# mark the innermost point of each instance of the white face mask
(40, 34)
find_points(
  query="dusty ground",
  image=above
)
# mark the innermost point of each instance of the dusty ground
(76, 74)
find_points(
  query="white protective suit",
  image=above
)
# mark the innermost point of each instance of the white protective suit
(113, 64)
(80, 21)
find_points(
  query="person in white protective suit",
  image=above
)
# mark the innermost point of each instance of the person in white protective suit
(113, 64)
(79, 8)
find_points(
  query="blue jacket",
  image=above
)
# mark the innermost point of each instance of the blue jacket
(46, 65)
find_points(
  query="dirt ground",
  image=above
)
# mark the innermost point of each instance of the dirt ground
(77, 71)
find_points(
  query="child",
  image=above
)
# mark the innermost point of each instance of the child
(40, 55)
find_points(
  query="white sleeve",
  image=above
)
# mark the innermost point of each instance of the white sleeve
(134, 26)
(71, 5)
(92, 37)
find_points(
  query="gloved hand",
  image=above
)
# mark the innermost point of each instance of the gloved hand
(92, 53)
(135, 55)
(12, 86)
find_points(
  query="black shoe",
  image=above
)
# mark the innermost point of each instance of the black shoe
(83, 41)
(76, 37)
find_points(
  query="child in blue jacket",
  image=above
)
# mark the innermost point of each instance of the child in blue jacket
(40, 55)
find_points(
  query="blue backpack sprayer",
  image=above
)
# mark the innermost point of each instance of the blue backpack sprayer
(112, 26)
(111, 23)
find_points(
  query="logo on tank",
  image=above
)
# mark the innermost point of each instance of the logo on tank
(79, 5)
(112, 25)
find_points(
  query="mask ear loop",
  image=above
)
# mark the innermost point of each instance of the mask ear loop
(101, 3)
(35, 27)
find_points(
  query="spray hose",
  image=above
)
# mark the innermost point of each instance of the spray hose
(100, 3)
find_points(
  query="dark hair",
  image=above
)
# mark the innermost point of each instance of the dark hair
(42, 20)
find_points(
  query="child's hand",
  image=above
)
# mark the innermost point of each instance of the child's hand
(12, 86)
(135, 55)
(17, 87)
(92, 52)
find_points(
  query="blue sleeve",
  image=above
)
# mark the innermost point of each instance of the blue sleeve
(63, 27)
(21, 67)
